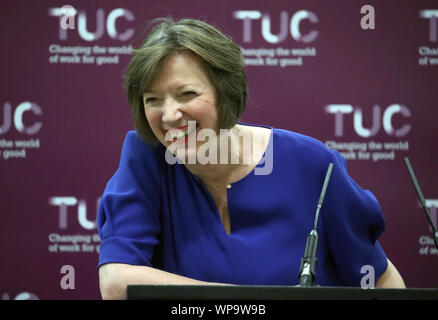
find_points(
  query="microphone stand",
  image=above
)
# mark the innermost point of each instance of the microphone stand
(422, 201)
(308, 262)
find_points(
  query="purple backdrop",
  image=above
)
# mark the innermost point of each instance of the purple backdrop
(312, 68)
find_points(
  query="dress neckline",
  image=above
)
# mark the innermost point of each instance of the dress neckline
(260, 161)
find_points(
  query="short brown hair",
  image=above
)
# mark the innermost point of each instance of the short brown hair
(221, 58)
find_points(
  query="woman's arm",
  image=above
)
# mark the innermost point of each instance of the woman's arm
(391, 278)
(114, 278)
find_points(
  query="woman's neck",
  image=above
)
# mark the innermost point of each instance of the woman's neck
(244, 144)
(225, 167)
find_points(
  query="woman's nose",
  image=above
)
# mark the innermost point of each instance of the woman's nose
(171, 111)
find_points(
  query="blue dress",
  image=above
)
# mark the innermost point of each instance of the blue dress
(161, 215)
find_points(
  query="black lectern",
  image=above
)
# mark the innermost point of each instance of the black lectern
(177, 292)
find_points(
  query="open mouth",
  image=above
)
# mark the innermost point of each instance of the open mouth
(181, 134)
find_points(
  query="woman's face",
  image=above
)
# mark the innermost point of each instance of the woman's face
(180, 92)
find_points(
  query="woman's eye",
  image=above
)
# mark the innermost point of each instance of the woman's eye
(188, 93)
(150, 100)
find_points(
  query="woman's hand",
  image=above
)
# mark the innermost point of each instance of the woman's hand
(115, 277)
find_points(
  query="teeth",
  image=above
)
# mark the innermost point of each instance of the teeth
(181, 134)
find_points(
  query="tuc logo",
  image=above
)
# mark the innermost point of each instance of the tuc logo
(432, 205)
(64, 202)
(432, 15)
(102, 23)
(287, 26)
(339, 110)
(17, 118)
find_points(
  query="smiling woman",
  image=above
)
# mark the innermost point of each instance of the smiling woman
(180, 92)
(216, 54)
(226, 222)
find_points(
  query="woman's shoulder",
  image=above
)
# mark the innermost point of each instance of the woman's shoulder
(298, 142)
(133, 139)
(138, 154)
(286, 136)
(291, 143)
(134, 142)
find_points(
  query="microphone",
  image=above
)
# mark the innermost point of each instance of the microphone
(308, 261)
(422, 201)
